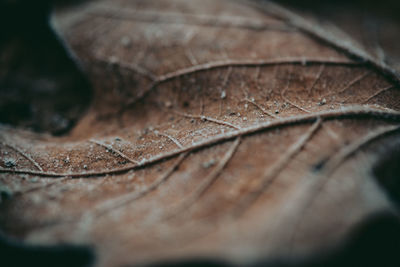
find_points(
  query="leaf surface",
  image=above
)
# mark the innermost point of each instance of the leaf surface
(218, 129)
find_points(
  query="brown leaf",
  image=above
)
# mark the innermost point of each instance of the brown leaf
(373, 27)
(221, 129)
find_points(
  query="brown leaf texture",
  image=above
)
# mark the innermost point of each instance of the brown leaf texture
(222, 129)
(372, 27)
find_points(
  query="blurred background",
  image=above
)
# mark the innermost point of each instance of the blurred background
(40, 86)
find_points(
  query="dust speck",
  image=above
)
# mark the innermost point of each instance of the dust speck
(10, 162)
(322, 102)
(223, 94)
(208, 164)
(126, 41)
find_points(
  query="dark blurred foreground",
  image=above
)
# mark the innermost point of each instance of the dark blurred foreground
(40, 87)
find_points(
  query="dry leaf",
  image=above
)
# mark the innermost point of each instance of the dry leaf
(231, 130)
(373, 27)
